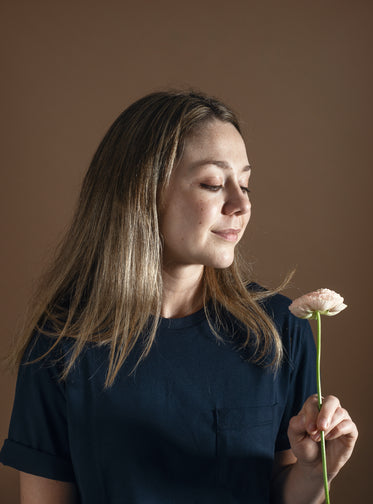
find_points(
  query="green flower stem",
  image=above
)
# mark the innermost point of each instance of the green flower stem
(319, 400)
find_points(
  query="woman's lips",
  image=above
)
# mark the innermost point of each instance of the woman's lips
(228, 234)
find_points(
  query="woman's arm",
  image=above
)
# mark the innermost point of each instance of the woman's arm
(298, 475)
(38, 490)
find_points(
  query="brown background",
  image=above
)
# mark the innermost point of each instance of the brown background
(300, 75)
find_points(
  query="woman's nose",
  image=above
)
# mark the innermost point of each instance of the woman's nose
(237, 202)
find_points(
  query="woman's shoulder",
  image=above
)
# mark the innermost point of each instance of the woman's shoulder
(46, 348)
(277, 307)
(274, 302)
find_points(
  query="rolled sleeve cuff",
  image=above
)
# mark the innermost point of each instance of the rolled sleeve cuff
(32, 461)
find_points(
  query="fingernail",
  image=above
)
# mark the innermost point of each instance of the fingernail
(316, 437)
(324, 424)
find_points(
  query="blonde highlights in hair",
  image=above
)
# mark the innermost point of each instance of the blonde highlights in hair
(105, 284)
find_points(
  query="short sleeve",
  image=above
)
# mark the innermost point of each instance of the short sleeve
(300, 358)
(38, 441)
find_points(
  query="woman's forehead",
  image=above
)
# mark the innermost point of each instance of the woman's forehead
(217, 143)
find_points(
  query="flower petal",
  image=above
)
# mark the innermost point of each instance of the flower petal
(324, 301)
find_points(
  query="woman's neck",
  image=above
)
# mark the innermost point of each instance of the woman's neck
(182, 291)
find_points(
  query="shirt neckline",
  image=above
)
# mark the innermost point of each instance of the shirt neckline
(183, 322)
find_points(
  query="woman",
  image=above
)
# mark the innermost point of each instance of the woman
(151, 372)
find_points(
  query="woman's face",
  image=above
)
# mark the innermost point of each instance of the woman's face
(206, 207)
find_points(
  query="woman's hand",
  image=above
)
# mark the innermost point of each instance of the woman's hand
(340, 435)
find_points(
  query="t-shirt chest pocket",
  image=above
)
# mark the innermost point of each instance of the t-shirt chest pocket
(244, 445)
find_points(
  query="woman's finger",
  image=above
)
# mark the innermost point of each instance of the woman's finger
(346, 428)
(328, 409)
(310, 411)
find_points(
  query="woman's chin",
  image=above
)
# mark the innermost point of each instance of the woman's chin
(222, 262)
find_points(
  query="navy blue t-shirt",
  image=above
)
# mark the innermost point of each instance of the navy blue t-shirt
(195, 423)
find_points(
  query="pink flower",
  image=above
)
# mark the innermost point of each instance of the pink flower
(324, 301)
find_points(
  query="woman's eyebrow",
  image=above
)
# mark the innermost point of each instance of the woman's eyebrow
(221, 164)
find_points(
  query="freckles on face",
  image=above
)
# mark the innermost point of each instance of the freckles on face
(205, 207)
(202, 210)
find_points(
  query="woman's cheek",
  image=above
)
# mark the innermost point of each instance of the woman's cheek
(207, 212)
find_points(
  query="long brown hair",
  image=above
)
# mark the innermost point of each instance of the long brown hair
(105, 283)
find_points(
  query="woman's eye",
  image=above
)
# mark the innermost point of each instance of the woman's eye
(215, 188)
(210, 187)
